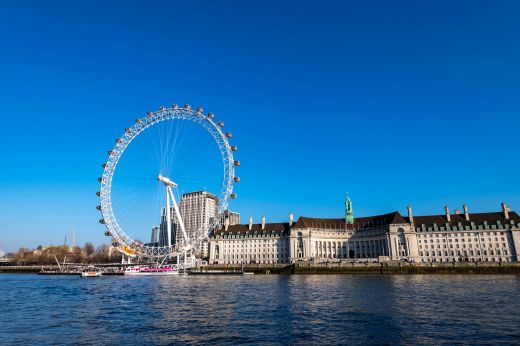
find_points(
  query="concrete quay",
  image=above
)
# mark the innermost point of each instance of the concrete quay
(302, 268)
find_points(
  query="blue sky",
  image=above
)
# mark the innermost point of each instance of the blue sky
(395, 102)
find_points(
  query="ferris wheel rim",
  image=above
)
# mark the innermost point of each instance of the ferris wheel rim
(131, 246)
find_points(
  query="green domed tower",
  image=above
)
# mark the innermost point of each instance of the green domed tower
(349, 214)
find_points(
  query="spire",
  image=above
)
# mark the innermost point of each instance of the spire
(349, 214)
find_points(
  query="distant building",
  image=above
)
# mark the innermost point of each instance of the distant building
(163, 228)
(155, 235)
(232, 217)
(458, 237)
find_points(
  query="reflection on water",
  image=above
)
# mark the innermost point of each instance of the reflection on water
(343, 309)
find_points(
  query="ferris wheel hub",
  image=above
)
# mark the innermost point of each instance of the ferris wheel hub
(167, 181)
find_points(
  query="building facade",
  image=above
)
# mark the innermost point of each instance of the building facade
(265, 243)
(451, 237)
(232, 217)
(196, 210)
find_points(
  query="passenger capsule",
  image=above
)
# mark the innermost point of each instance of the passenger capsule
(107, 234)
(115, 244)
(199, 109)
(103, 165)
(118, 140)
(98, 207)
(100, 179)
(175, 106)
(236, 179)
(150, 114)
(138, 121)
(229, 135)
(187, 107)
(102, 221)
(220, 123)
(162, 108)
(234, 148)
(110, 152)
(237, 163)
(211, 115)
(127, 130)
(98, 194)
(234, 195)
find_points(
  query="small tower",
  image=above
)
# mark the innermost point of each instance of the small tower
(349, 214)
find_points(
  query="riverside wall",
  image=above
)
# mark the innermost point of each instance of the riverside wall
(302, 268)
(376, 268)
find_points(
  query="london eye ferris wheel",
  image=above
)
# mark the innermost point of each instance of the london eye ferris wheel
(161, 156)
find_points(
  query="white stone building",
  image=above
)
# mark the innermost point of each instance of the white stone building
(265, 243)
(457, 237)
(386, 235)
(465, 237)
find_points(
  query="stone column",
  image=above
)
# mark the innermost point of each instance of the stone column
(515, 251)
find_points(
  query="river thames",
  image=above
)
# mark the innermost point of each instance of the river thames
(263, 309)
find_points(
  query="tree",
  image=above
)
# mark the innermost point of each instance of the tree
(89, 249)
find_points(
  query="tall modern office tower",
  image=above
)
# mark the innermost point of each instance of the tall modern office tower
(163, 228)
(156, 230)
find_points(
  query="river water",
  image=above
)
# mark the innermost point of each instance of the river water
(262, 309)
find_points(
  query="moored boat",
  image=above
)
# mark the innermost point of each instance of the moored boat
(158, 270)
(91, 272)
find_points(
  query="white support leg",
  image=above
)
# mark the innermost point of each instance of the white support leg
(168, 219)
(178, 214)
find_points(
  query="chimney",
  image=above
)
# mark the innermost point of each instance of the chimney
(250, 223)
(226, 223)
(505, 210)
(448, 214)
(263, 222)
(466, 214)
(410, 215)
(457, 212)
(291, 219)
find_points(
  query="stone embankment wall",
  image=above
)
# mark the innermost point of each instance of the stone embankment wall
(377, 268)
(338, 268)
(27, 269)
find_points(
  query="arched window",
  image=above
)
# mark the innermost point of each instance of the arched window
(401, 243)
(299, 243)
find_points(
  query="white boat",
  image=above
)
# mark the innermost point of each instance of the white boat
(158, 270)
(91, 272)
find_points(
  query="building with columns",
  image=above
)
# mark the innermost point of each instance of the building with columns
(446, 238)
(387, 235)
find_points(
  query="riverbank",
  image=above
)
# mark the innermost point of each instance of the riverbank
(380, 268)
(303, 268)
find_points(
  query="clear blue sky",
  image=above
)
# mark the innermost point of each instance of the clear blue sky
(395, 102)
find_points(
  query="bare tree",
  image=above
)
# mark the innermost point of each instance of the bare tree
(89, 249)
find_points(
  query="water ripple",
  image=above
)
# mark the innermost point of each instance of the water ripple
(267, 310)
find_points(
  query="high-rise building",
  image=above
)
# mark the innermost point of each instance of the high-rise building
(163, 228)
(155, 234)
(197, 209)
(232, 217)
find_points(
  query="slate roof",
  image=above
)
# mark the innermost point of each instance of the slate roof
(477, 218)
(277, 228)
(359, 222)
